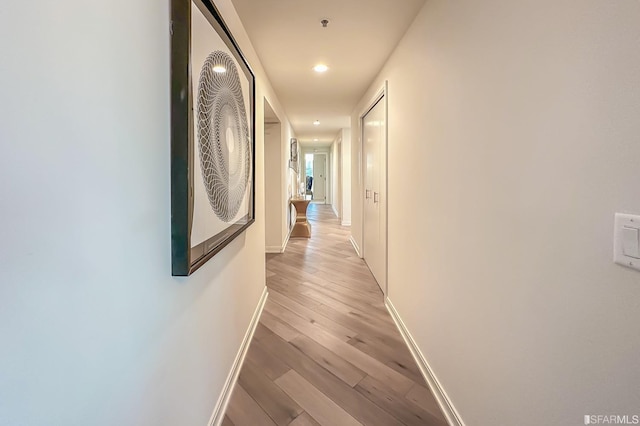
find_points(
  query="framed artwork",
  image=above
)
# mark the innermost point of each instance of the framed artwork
(293, 162)
(212, 136)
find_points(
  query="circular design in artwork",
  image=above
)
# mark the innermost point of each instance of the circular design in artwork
(223, 135)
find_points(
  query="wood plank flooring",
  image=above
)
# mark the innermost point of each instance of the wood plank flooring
(326, 352)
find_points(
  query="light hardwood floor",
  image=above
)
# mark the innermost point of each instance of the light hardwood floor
(326, 351)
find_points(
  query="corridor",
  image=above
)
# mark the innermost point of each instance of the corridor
(326, 351)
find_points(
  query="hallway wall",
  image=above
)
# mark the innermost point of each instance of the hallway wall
(336, 182)
(513, 140)
(274, 169)
(345, 174)
(94, 329)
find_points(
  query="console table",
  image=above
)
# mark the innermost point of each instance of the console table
(302, 228)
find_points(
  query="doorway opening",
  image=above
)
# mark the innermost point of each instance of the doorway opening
(315, 177)
(276, 211)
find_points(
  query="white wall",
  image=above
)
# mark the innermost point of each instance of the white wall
(345, 176)
(280, 181)
(94, 329)
(274, 167)
(336, 196)
(513, 140)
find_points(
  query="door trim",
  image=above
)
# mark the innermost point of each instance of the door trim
(380, 95)
(326, 173)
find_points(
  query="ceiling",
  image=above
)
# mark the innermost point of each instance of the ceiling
(290, 41)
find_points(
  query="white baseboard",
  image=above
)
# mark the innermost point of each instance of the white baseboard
(286, 240)
(276, 249)
(449, 411)
(355, 246)
(335, 211)
(227, 390)
(346, 223)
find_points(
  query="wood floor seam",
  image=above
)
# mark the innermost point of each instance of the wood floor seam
(326, 351)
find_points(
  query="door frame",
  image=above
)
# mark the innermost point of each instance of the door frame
(326, 173)
(275, 183)
(381, 95)
(327, 167)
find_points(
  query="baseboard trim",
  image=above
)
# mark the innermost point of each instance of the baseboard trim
(355, 246)
(227, 390)
(276, 249)
(449, 411)
(335, 211)
(346, 223)
(286, 241)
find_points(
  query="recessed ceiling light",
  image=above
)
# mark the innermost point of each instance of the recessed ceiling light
(316, 123)
(219, 69)
(320, 68)
(315, 140)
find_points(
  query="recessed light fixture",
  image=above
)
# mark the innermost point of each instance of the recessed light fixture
(315, 140)
(320, 68)
(316, 123)
(219, 69)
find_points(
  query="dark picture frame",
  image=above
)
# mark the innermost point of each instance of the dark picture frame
(293, 154)
(212, 136)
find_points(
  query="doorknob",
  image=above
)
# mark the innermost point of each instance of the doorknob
(376, 197)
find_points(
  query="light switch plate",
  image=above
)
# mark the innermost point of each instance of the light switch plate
(630, 246)
(626, 242)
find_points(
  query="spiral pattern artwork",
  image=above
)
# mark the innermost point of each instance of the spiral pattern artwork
(223, 135)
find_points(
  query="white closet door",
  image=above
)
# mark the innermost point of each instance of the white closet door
(374, 144)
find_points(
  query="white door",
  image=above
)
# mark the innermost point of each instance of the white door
(319, 177)
(375, 235)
